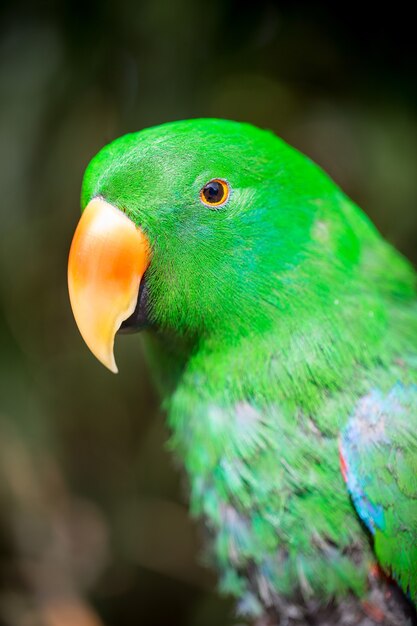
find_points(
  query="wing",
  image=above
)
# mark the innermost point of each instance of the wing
(378, 451)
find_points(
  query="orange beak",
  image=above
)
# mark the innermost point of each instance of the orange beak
(107, 260)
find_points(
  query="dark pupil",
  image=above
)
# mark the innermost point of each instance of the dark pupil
(213, 192)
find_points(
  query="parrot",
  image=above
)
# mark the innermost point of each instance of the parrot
(281, 328)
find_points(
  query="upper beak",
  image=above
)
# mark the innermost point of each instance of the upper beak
(107, 260)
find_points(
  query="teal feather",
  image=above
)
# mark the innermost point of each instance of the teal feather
(379, 452)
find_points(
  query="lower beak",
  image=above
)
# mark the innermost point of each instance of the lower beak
(107, 260)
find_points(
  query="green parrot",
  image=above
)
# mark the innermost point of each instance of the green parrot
(283, 332)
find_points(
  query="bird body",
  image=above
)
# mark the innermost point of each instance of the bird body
(283, 329)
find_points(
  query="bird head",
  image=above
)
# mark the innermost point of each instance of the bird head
(191, 227)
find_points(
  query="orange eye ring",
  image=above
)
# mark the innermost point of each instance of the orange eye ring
(215, 193)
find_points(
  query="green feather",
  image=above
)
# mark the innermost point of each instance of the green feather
(274, 315)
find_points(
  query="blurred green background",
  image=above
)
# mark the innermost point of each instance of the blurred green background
(93, 519)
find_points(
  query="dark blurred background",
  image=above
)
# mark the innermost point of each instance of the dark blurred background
(93, 519)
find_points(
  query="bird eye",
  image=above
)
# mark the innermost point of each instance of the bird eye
(215, 193)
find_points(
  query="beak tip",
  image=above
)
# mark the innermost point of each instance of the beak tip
(108, 361)
(114, 370)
